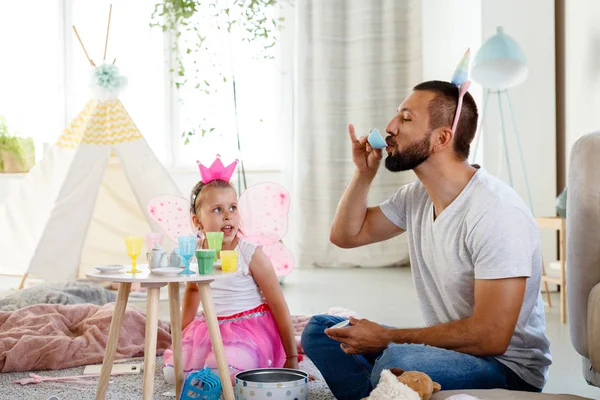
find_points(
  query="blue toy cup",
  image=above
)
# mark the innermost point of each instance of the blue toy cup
(376, 140)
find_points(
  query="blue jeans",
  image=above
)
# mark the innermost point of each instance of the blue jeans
(353, 377)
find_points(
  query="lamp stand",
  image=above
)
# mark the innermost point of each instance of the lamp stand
(486, 98)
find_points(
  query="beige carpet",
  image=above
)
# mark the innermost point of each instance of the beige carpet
(124, 387)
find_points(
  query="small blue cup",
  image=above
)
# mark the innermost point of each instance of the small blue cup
(376, 140)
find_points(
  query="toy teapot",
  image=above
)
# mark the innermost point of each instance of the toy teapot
(175, 260)
(157, 257)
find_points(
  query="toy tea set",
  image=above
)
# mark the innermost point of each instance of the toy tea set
(179, 261)
(263, 210)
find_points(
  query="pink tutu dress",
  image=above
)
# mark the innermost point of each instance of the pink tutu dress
(250, 335)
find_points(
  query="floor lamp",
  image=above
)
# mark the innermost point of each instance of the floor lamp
(499, 65)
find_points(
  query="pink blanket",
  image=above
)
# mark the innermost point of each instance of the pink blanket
(54, 336)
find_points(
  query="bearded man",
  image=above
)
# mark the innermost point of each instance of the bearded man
(475, 257)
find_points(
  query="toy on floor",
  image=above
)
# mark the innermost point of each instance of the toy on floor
(201, 385)
(82, 379)
(399, 385)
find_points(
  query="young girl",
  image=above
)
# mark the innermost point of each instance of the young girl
(254, 319)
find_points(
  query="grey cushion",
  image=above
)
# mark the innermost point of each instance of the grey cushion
(500, 394)
(583, 237)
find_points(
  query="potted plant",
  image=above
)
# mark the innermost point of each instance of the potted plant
(16, 154)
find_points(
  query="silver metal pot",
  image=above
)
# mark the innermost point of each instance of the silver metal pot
(271, 384)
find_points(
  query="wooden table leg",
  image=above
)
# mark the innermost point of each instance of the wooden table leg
(546, 284)
(153, 296)
(215, 337)
(22, 283)
(175, 314)
(113, 339)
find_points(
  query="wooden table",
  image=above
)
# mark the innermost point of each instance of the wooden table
(153, 283)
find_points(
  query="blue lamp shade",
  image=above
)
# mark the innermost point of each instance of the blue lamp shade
(500, 63)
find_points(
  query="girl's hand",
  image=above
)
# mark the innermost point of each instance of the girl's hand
(291, 363)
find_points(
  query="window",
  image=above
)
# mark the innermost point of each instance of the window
(258, 95)
(44, 80)
(31, 71)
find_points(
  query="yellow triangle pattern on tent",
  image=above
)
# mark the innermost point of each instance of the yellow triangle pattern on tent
(101, 123)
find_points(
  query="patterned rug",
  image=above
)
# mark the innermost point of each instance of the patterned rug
(124, 387)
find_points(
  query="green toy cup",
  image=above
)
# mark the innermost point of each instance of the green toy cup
(205, 259)
(215, 241)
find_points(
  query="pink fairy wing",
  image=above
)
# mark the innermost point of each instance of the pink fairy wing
(281, 258)
(264, 213)
(172, 214)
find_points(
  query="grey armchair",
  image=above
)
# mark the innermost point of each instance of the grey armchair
(583, 253)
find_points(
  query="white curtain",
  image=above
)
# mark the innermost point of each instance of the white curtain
(354, 62)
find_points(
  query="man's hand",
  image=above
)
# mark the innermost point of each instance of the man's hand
(362, 337)
(365, 158)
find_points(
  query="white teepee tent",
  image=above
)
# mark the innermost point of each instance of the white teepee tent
(75, 207)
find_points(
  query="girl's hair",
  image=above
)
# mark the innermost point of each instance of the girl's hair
(198, 190)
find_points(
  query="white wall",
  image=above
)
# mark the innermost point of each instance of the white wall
(533, 102)
(449, 27)
(582, 70)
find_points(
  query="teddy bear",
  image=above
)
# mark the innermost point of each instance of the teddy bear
(396, 384)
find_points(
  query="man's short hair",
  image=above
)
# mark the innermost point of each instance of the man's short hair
(442, 109)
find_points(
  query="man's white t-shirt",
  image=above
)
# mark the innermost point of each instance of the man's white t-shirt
(487, 232)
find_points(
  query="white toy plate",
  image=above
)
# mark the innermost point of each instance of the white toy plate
(109, 268)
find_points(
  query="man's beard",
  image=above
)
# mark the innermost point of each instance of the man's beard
(409, 158)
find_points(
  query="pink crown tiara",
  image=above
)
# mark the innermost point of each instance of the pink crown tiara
(216, 171)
